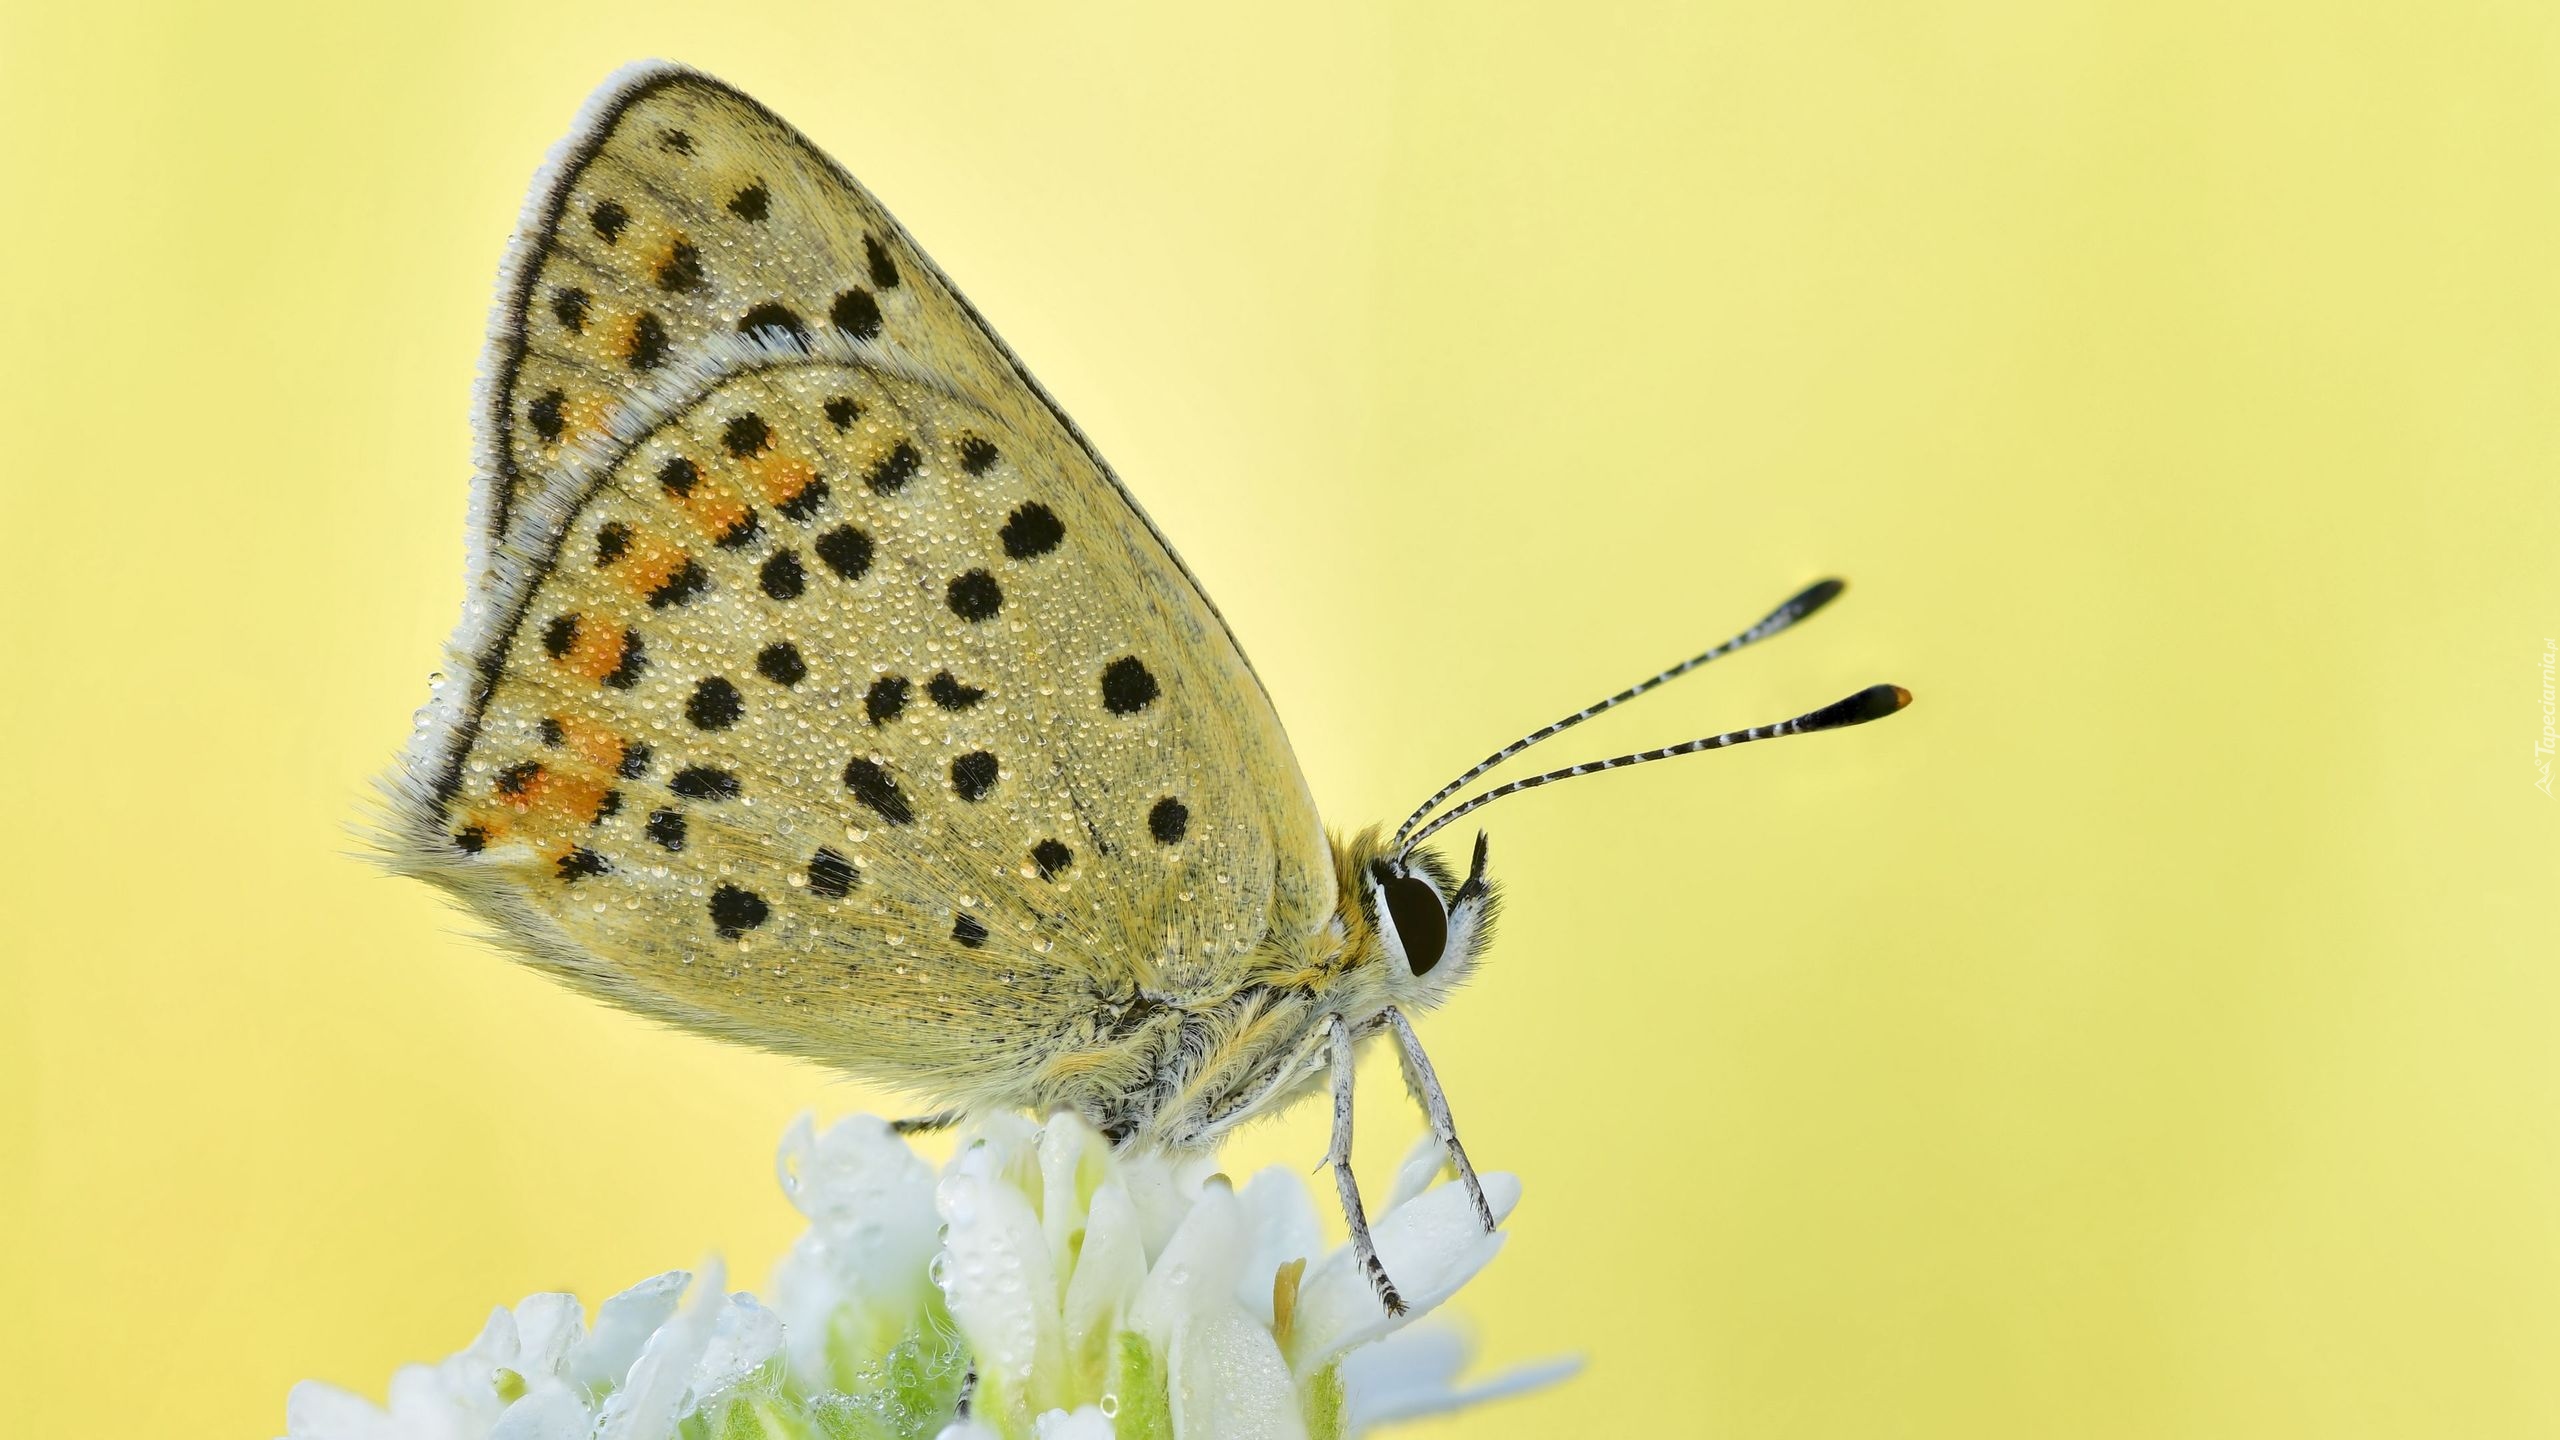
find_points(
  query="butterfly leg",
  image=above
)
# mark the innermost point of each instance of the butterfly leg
(1426, 1091)
(920, 1124)
(1354, 1214)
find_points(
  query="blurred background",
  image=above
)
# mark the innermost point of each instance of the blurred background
(2148, 1034)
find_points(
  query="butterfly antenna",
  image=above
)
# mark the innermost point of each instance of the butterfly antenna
(1812, 598)
(1873, 703)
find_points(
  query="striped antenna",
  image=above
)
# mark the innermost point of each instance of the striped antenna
(1813, 598)
(1873, 703)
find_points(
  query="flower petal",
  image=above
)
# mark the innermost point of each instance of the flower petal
(1197, 1270)
(547, 1325)
(550, 1411)
(432, 1402)
(1229, 1381)
(1421, 1165)
(1430, 1247)
(1163, 1188)
(624, 1324)
(1110, 1266)
(1073, 1159)
(652, 1399)
(1280, 1226)
(860, 1274)
(1379, 1395)
(745, 1337)
(997, 1278)
(314, 1411)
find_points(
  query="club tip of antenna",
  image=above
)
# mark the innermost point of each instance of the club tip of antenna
(1873, 703)
(1877, 701)
(1818, 594)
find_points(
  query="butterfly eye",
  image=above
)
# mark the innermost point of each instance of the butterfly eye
(1421, 922)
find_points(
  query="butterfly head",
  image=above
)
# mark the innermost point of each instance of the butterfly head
(1427, 924)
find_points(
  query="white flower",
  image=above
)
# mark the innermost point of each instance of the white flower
(1043, 1288)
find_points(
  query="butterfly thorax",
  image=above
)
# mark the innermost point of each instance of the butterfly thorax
(1180, 1072)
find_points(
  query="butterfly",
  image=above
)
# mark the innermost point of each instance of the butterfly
(821, 688)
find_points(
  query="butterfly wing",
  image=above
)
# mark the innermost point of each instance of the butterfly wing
(821, 688)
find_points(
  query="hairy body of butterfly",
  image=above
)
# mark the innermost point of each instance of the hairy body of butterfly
(820, 688)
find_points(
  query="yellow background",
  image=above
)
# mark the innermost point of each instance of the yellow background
(2149, 1034)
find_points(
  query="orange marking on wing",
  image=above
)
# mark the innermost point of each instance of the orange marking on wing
(585, 415)
(781, 477)
(648, 564)
(520, 793)
(597, 745)
(568, 800)
(596, 651)
(548, 804)
(714, 507)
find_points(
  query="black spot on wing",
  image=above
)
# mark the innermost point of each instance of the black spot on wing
(689, 581)
(1032, 531)
(856, 314)
(569, 307)
(543, 413)
(874, 786)
(876, 259)
(715, 704)
(780, 663)
(704, 782)
(846, 550)
(1127, 686)
(1168, 820)
(773, 316)
(781, 576)
(1051, 858)
(892, 471)
(734, 912)
(974, 774)
(560, 635)
(648, 349)
(745, 436)
(887, 696)
(681, 271)
(974, 596)
(831, 875)
(950, 694)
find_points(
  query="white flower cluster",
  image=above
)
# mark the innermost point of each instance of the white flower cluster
(1044, 1288)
